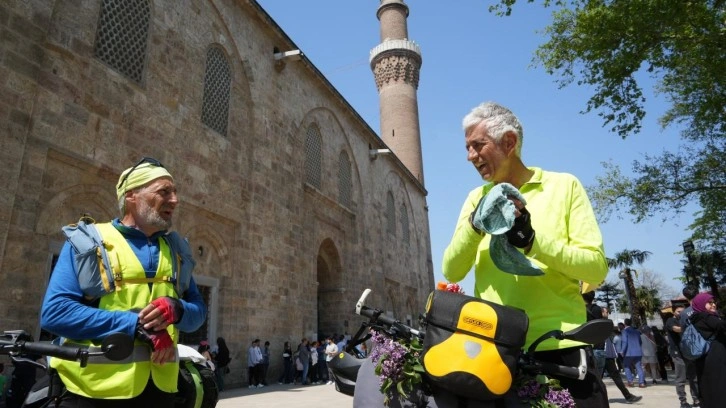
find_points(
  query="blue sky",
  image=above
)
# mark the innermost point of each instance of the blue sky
(471, 56)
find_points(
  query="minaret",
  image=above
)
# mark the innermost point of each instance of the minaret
(396, 63)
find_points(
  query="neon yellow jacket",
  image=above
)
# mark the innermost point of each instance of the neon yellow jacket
(105, 379)
(568, 248)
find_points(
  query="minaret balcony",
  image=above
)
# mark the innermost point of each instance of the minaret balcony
(395, 47)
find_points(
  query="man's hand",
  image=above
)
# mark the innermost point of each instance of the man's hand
(521, 234)
(162, 346)
(160, 313)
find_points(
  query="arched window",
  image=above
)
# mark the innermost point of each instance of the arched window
(217, 80)
(345, 182)
(390, 214)
(405, 234)
(123, 32)
(313, 156)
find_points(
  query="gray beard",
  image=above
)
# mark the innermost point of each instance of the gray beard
(151, 217)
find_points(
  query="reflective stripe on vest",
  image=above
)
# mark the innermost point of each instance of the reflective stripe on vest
(125, 379)
(198, 386)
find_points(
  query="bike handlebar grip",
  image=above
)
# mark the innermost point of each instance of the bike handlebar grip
(564, 371)
(47, 349)
(370, 313)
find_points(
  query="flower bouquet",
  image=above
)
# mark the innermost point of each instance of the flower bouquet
(542, 392)
(398, 365)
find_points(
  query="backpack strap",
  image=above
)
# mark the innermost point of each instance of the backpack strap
(95, 273)
(183, 261)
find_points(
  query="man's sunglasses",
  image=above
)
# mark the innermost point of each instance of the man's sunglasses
(149, 160)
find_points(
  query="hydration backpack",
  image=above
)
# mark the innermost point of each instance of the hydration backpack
(693, 345)
(96, 274)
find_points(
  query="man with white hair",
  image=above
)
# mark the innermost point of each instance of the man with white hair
(554, 227)
(150, 296)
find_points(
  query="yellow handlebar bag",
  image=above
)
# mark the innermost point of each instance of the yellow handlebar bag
(471, 346)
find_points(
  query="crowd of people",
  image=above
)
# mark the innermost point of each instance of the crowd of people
(305, 365)
(648, 351)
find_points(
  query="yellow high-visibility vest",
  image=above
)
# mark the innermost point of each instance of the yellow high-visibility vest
(106, 379)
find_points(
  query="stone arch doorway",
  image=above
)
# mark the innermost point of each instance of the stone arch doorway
(331, 293)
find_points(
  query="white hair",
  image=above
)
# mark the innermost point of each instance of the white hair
(498, 119)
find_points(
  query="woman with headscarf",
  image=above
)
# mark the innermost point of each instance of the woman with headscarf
(711, 369)
(222, 357)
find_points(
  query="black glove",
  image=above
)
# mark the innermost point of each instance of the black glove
(521, 234)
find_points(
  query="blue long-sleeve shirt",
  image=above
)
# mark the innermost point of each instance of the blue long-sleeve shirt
(66, 313)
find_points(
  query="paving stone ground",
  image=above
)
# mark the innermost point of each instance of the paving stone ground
(661, 395)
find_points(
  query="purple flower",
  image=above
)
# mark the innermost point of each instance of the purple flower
(560, 398)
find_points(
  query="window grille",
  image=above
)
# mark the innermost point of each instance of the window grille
(217, 80)
(404, 225)
(345, 184)
(313, 156)
(123, 32)
(390, 214)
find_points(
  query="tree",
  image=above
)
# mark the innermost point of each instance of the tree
(625, 259)
(608, 293)
(613, 46)
(650, 289)
(710, 268)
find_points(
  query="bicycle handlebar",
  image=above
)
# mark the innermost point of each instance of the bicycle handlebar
(52, 350)
(378, 317)
(591, 332)
(115, 347)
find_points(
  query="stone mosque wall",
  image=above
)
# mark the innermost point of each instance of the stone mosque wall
(288, 215)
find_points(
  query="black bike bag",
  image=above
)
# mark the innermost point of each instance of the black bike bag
(471, 346)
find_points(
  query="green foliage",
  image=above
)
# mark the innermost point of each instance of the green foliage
(611, 46)
(608, 293)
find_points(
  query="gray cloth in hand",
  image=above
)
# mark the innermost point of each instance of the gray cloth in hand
(495, 216)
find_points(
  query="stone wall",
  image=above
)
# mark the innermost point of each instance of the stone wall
(282, 259)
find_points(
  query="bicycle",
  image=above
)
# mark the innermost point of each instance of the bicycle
(17, 345)
(193, 374)
(346, 367)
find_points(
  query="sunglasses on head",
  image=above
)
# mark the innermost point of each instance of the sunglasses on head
(149, 160)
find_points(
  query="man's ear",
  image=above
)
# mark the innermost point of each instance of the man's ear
(509, 142)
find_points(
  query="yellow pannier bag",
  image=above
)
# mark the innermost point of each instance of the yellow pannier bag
(471, 346)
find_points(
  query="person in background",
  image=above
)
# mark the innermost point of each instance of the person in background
(618, 340)
(632, 352)
(611, 355)
(222, 358)
(254, 364)
(265, 363)
(314, 362)
(303, 350)
(331, 350)
(711, 369)
(674, 331)
(555, 229)
(144, 305)
(322, 366)
(661, 352)
(206, 351)
(595, 312)
(288, 371)
(649, 360)
(689, 292)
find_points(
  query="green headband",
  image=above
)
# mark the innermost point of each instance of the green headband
(139, 176)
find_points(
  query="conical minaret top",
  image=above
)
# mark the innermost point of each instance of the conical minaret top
(396, 63)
